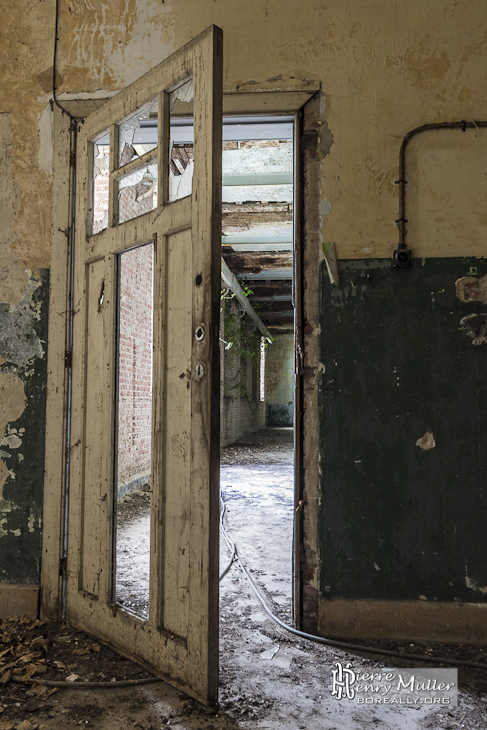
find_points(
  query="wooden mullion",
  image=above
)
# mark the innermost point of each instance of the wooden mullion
(134, 164)
(159, 415)
(164, 134)
(113, 184)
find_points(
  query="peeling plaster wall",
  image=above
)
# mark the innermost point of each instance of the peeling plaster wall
(385, 69)
(25, 197)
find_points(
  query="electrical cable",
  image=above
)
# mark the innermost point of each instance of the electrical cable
(56, 23)
(333, 642)
(302, 634)
(231, 545)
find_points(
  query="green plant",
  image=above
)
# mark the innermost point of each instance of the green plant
(240, 334)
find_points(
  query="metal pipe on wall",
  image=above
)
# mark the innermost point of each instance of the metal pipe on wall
(402, 254)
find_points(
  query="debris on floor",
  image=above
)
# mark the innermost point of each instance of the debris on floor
(269, 679)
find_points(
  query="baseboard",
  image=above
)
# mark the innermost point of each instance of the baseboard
(19, 600)
(403, 620)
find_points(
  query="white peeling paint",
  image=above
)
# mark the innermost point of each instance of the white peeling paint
(474, 586)
(325, 208)
(31, 521)
(376, 566)
(422, 598)
(13, 441)
(16, 532)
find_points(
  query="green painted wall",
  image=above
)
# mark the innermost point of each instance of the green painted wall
(23, 338)
(397, 521)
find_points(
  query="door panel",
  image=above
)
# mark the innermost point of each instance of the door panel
(96, 491)
(179, 640)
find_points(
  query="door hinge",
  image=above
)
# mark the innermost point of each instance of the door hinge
(299, 360)
(68, 360)
(63, 567)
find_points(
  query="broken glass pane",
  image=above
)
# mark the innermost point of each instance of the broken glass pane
(101, 179)
(181, 160)
(137, 192)
(134, 428)
(138, 134)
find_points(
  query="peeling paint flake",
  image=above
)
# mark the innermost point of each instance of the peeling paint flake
(472, 289)
(475, 325)
(19, 343)
(13, 441)
(474, 586)
(426, 442)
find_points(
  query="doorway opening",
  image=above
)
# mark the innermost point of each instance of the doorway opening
(257, 346)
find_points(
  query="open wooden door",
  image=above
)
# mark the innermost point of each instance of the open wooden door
(146, 204)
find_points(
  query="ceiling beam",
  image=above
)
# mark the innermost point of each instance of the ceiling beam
(271, 289)
(242, 216)
(271, 275)
(231, 282)
(254, 263)
(258, 178)
(256, 239)
(264, 308)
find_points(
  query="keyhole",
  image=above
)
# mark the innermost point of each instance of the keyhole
(199, 333)
(199, 370)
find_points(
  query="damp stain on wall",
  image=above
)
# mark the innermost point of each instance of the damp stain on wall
(23, 337)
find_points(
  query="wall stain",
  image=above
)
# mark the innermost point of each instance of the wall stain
(23, 368)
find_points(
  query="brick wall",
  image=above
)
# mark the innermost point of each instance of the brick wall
(135, 368)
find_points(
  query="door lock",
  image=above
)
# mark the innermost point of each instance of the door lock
(199, 333)
(199, 371)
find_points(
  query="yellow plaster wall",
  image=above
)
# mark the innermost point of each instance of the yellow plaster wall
(385, 68)
(25, 51)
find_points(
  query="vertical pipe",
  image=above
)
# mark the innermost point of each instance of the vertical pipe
(64, 554)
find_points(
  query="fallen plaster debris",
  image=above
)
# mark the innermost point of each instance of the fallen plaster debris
(270, 653)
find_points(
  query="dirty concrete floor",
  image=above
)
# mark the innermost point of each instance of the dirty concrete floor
(269, 679)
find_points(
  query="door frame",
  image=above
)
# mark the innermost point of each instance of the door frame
(267, 98)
